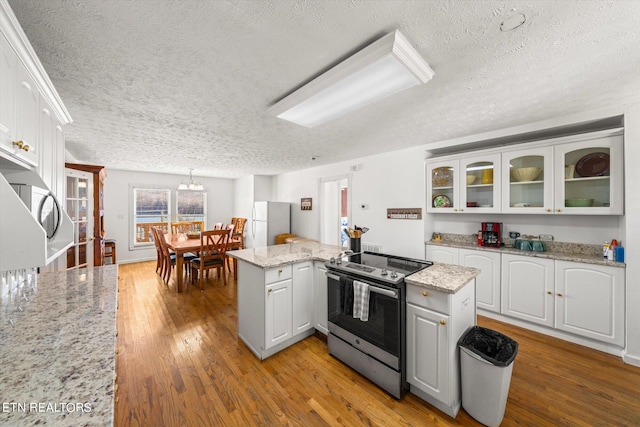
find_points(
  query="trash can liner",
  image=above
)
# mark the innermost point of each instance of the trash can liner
(490, 345)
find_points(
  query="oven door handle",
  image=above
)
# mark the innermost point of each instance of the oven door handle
(332, 276)
(392, 294)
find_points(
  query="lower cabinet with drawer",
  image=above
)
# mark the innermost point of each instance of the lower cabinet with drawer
(274, 306)
(435, 322)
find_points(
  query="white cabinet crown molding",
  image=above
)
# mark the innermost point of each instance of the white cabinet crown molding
(12, 30)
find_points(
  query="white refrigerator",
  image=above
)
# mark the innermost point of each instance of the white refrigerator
(269, 220)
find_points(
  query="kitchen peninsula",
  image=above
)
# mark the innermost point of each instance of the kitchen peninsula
(284, 288)
(57, 336)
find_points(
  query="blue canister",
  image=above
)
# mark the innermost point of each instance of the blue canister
(619, 254)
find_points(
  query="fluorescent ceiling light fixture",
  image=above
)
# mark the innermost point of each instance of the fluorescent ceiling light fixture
(387, 66)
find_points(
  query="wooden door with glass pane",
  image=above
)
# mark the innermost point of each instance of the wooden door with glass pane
(80, 209)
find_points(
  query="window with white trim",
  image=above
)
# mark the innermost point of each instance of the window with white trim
(151, 207)
(191, 205)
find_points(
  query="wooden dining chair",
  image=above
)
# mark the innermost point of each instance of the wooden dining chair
(156, 242)
(181, 227)
(236, 242)
(168, 259)
(213, 250)
(217, 226)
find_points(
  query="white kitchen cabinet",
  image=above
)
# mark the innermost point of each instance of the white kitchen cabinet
(521, 194)
(277, 301)
(589, 301)
(488, 287)
(27, 99)
(464, 184)
(443, 254)
(488, 281)
(8, 63)
(320, 297)
(435, 323)
(573, 175)
(600, 187)
(272, 313)
(527, 288)
(302, 294)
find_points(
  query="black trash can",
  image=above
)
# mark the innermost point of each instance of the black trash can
(486, 363)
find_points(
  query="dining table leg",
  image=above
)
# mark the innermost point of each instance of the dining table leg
(179, 267)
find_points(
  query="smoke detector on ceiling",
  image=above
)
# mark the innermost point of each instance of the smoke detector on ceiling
(512, 22)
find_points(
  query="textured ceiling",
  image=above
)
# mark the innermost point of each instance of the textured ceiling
(170, 85)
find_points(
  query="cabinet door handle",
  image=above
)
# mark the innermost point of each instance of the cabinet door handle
(26, 147)
(279, 271)
(455, 210)
(269, 290)
(18, 144)
(548, 210)
(550, 293)
(443, 322)
(558, 210)
(461, 209)
(425, 293)
(559, 294)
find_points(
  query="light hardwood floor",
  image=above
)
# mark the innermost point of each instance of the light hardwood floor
(180, 363)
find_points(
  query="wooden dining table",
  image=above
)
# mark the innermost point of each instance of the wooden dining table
(181, 244)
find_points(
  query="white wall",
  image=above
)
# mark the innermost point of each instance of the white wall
(117, 202)
(390, 180)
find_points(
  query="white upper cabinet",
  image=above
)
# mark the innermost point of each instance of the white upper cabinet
(575, 175)
(7, 96)
(590, 177)
(480, 182)
(442, 186)
(528, 181)
(469, 184)
(27, 98)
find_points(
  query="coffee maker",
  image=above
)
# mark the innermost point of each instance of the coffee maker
(491, 234)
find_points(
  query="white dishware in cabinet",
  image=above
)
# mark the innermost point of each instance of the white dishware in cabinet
(527, 181)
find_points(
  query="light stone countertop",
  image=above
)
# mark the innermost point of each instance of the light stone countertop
(57, 351)
(443, 277)
(578, 254)
(288, 253)
(447, 278)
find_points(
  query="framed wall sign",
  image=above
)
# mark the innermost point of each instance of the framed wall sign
(405, 213)
(305, 204)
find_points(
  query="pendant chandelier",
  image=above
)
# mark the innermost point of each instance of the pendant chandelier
(190, 185)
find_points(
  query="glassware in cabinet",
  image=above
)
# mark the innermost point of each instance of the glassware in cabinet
(481, 183)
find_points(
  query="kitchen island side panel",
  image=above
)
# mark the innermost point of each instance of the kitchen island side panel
(251, 306)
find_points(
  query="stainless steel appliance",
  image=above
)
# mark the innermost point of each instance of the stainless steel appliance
(269, 219)
(374, 347)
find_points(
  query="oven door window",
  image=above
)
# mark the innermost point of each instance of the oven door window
(383, 327)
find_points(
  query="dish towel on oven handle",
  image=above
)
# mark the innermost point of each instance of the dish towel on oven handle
(360, 300)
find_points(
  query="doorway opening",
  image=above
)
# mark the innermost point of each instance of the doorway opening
(335, 209)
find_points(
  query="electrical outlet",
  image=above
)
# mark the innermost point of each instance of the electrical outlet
(546, 237)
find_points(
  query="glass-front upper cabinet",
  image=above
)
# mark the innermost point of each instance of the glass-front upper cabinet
(442, 186)
(589, 176)
(480, 184)
(528, 181)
